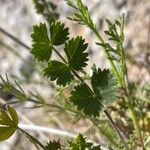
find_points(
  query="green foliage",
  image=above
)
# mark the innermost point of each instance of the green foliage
(90, 97)
(8, 123)
(105, 85)
(11, 89)
(81, 15)
(58, 34)
(41, 45)
(74, 50)
(114, 34)
(53, 145)
(84, 99)
(105, 89)
(80, 143)
(112, 31)
(60, 71)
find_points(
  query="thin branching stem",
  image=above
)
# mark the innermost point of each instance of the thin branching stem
(128, 91)
(114, 69)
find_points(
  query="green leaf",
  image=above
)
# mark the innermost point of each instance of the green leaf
(81, 14)
(8, 123)
(105, 89)
(84, 99)
(58, 71)
(41, 45)
(74, 50)
(80, 143)
(58, 33)
(115, 49)
(104, 85)
(55, 145)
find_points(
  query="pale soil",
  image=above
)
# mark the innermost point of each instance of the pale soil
(18, 16)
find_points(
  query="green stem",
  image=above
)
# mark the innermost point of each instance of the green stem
(114, 69)
(126, 86)
(123, 57)
(136, 126)
(131, 109)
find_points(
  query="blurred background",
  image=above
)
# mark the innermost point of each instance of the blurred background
(16, 20)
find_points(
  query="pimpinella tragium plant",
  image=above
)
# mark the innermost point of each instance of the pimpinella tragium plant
(88, 98)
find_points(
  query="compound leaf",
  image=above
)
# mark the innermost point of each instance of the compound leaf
(58, 33)
(8, 123)
(84, 99)
(41, 45)
(74, 50)
(55, 145)
(104, 85)
(58, 71)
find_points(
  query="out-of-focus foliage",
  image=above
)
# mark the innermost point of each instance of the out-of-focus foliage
(8, 122)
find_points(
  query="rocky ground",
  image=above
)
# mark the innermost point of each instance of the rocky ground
(18, 16)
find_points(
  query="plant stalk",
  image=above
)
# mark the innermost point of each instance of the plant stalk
(14, 38)
(104, 133)
(126, 86)
(114, 69)
(136, 126)
(116, 129)
(62, 58)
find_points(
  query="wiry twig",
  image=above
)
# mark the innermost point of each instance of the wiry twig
(116, 129)
(14, 38)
